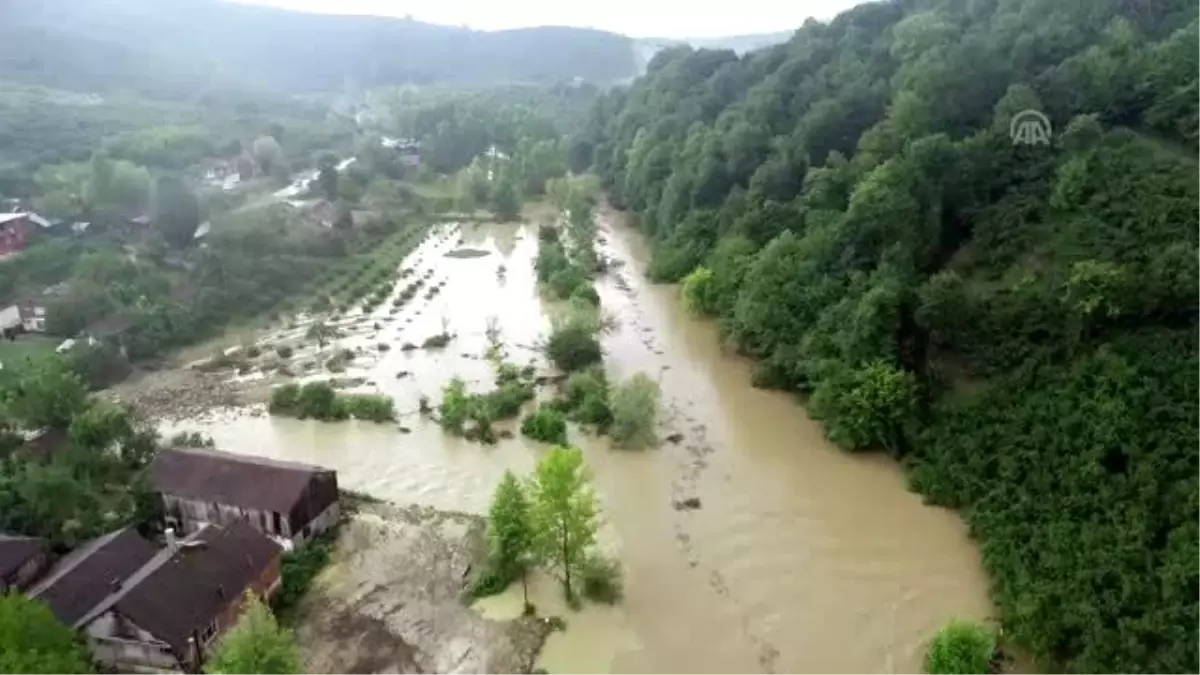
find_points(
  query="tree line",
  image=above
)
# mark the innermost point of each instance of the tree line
(1016, 322)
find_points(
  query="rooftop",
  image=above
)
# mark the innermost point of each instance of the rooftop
(85, 577)
(16, 550)
(184, 587)
(227, 478)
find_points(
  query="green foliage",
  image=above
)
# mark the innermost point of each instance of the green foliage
(573, 343)
(960, 647)
(190, 439)
(509, 537)
(319, 401)
(371, 407)
(176, 211)
(866, 408)
(256, 644)
(1009, 319)
(298, 569)
(563, 514)
(505, 201)
(455, 408)
(32, 640)
(89, 484)
(546, 425)
(601, 578)
(585, 397)
(634, 406)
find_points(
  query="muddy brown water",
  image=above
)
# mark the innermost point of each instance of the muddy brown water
(800, 558)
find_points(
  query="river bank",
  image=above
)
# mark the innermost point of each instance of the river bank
(392, 600)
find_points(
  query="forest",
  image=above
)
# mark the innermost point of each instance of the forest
(1016, 322)
(155, 49)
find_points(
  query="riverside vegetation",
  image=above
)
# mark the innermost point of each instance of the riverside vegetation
(1016, 322)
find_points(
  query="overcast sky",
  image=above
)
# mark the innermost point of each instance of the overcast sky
(636, 18)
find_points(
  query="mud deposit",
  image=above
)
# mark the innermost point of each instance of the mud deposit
(392, 601)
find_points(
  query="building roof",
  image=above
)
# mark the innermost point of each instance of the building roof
(23, 215)
(16, 550)
(86, 576)
(237, 480)
(188, 585)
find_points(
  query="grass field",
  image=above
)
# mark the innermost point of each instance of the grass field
(26, 346)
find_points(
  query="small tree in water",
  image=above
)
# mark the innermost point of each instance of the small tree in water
(563, 514)
(960, 647)
(510, 538)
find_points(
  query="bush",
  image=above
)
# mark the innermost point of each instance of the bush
(585, 293)
(960, 647)
(193, 439)
(455, 408)
(546, 425)
(284, 400)
(318, 401)
(565, 281)
(373, 407)
(601, 579)
(298, 568)
(506, 402)
(284, 351)
(634, 406)
(585, 398)
(573, 346)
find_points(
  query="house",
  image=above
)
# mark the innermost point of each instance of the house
(164, 610)
(408, 149)
(22, 559)
(16, 228)
(10, 320)
(83, 578)
(33, 316)
(285, 500)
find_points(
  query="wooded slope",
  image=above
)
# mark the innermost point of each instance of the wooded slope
(1016, 322)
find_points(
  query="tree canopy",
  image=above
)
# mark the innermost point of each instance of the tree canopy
(256, 644)
(32, 640)
(1016, 321)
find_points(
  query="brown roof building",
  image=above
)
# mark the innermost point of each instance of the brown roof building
(166, 612)
(83, 578)
(22, 559)
(287, 500)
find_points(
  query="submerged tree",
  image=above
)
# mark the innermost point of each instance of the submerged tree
(563, 514)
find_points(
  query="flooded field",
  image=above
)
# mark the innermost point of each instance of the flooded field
(749, 544)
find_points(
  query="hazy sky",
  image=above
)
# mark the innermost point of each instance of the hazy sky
(636, 18)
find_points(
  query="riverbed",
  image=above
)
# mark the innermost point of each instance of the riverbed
(800, 557)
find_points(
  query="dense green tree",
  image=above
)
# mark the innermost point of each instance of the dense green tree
(33, 641)
(563, 513)
(960, 647)
(509, 535)
(256, 644)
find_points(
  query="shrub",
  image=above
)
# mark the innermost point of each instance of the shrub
(565, 281)
(573, 346)
(960, 647)
(506, 401)
(318, 401)
(253, 351)
(455, 408)
(697, 291)
(284, 351)
(585, 398)
(546, 425)
(634, 406)
(373, 407)
(193, 439)
(585, 293)
(299, 567)
(284, 400)
(601, 579)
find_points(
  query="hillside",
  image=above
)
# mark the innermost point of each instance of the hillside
(173, 48)
(1017, 322)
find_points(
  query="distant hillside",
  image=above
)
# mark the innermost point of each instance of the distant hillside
(646, 48)
(169, 47)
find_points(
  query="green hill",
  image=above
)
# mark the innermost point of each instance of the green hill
(1017, 323)
(173, 47)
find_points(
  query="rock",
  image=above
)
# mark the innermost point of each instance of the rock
(404, 430)
(407, 347)
(504, 433)
(402, 374)
(675, 439)
(689, 504)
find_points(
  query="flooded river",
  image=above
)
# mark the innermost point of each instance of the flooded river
(801, 557)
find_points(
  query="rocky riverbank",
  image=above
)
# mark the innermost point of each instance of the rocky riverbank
(392, 600)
